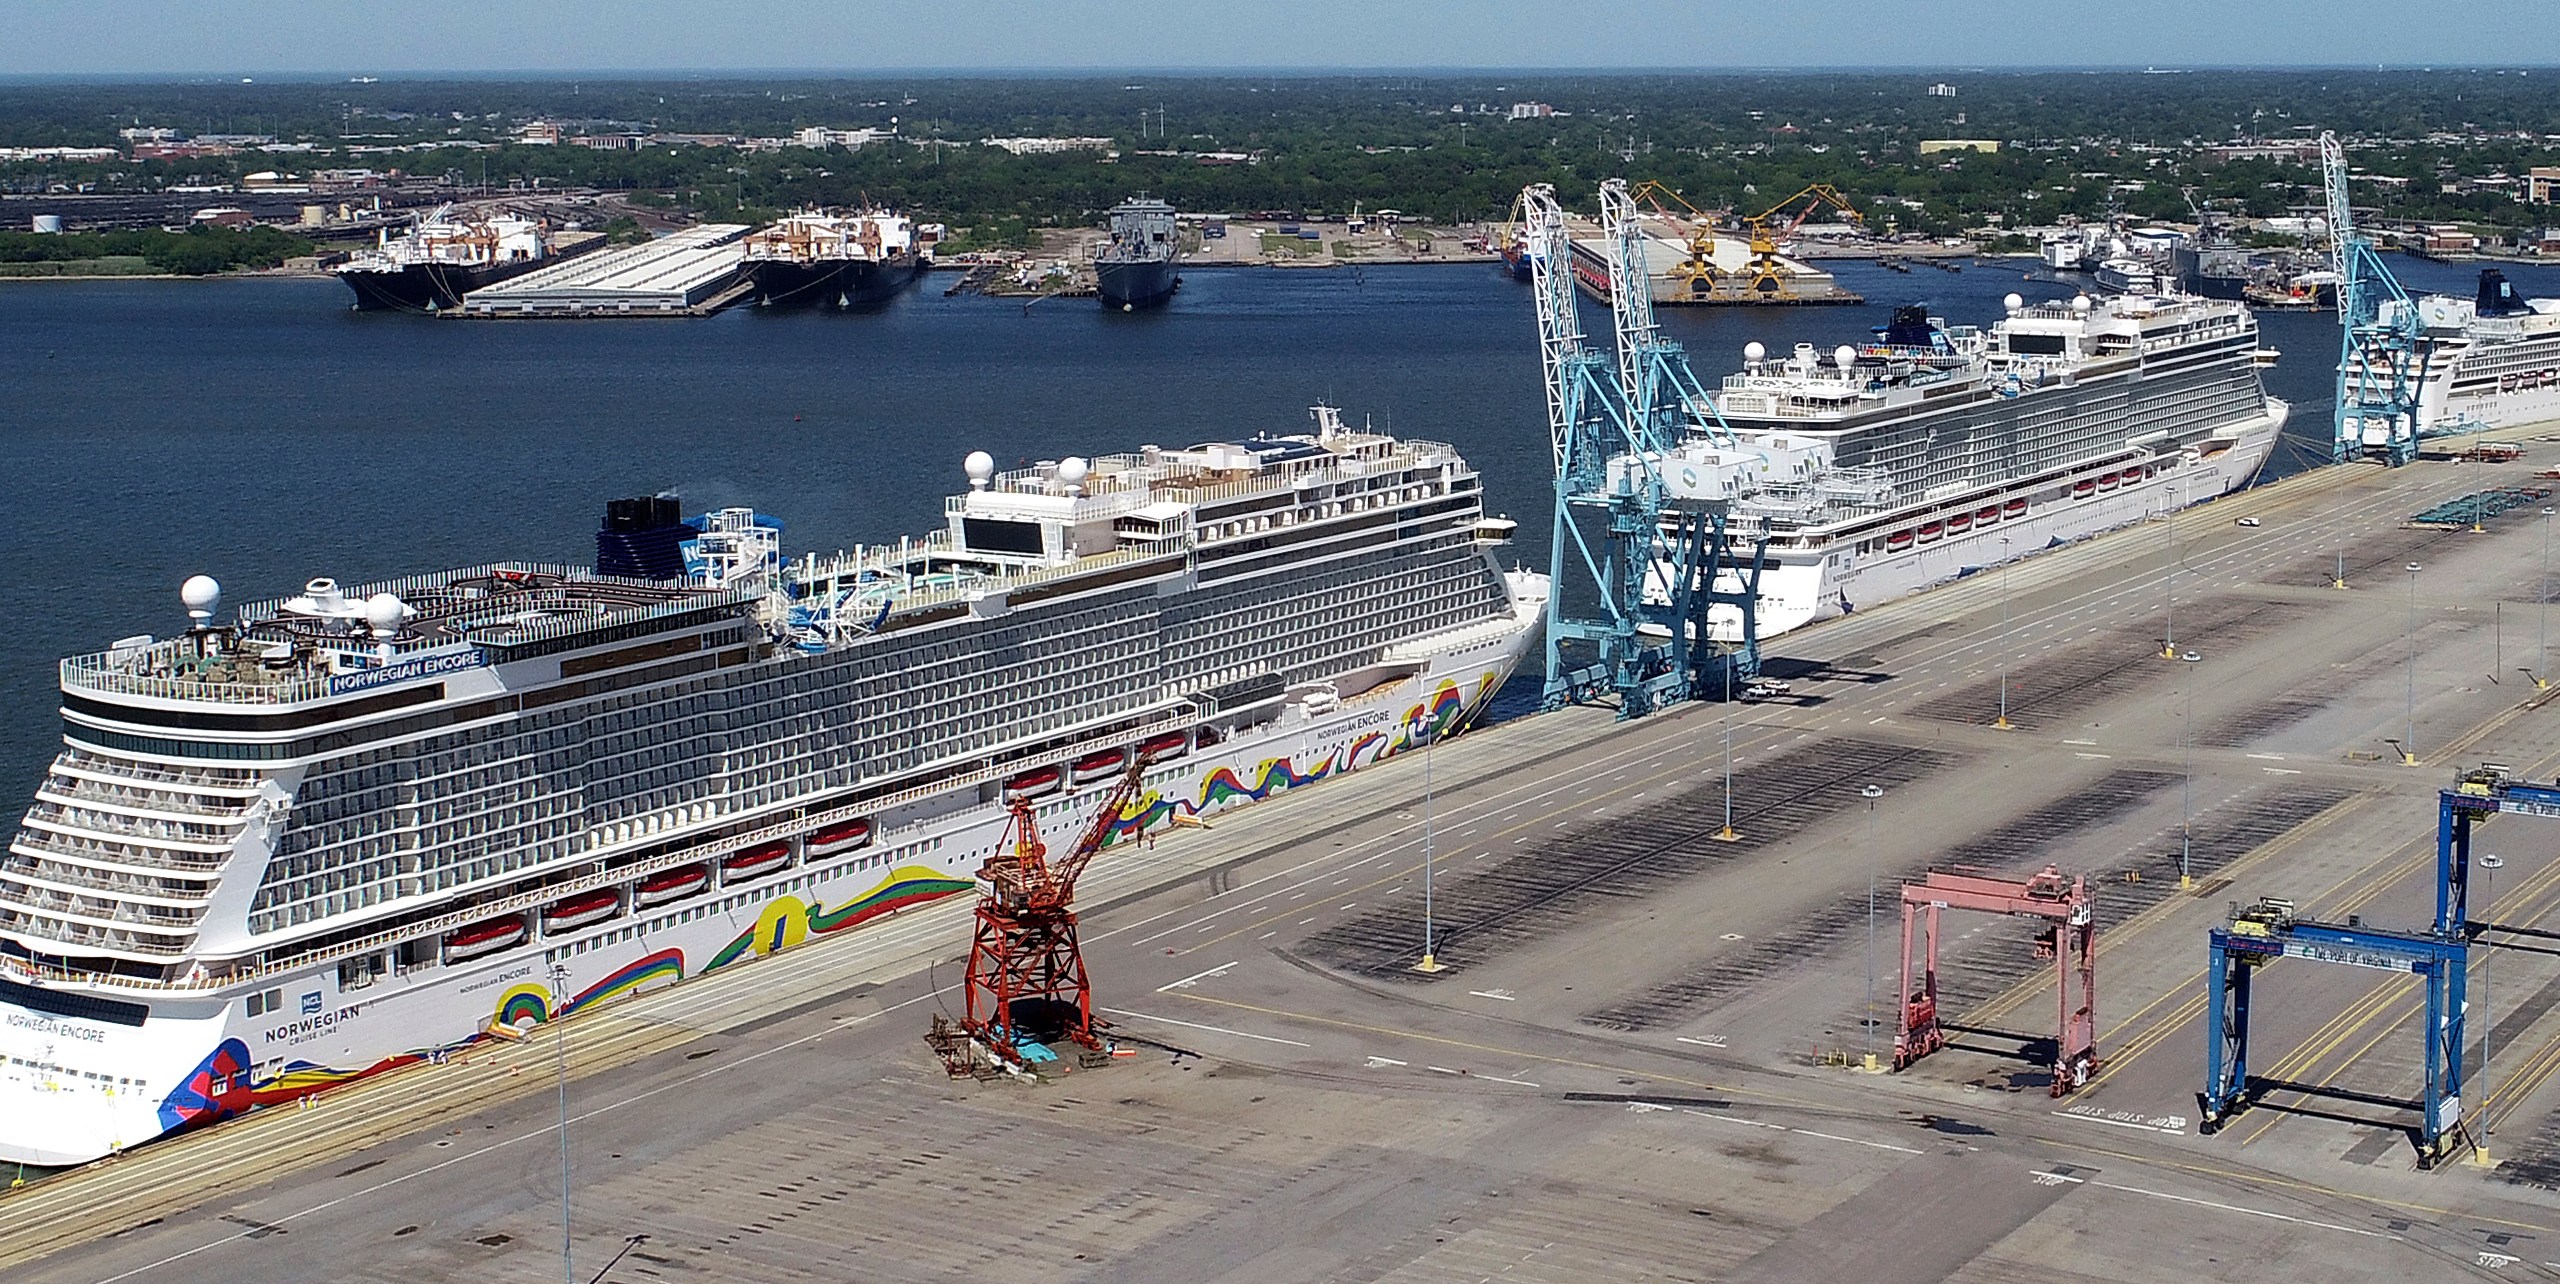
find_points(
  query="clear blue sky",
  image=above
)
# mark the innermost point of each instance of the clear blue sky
(247, 37)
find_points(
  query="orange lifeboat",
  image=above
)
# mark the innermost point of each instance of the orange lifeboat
(670, 884)
(578, 911)
(483, 938)
(839, 838)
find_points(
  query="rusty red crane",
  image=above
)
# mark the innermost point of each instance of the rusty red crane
(1027, 979)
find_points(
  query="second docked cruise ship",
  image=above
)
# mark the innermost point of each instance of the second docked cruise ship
(1932, 450)
(344, 830)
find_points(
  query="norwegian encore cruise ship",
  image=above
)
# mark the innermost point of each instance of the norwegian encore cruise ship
(1931, 451)
(342, 831)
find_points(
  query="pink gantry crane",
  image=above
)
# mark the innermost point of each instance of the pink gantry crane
(2069, 938)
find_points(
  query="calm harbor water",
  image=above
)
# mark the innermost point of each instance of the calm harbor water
(260, 432)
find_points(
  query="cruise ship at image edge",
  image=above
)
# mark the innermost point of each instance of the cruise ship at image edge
(361, 826)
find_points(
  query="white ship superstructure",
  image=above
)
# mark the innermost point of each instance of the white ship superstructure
(1934, 450)
(446, 239)
(354, 828)
(2489, 362)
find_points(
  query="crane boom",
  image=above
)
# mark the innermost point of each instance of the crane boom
(1098, 830)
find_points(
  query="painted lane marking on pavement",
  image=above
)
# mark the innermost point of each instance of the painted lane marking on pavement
(1381, 1063)
(1711, 1041)
(2058, 1179)
(1188, 981)
(1504, 995)
(1194, 1025)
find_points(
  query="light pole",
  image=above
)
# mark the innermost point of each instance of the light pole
(1726, 834)
(1429, 728)
(2488, 864)
(2409, 747)
(2002, 722)
(2186, 783)
(560, 1047)
(2542, 645)
(1871, 793)
(2169, 645)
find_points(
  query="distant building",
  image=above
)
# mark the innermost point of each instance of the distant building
(1531, 111)
(151, 134)
(538, 133)
(820, 137)
(2447, 238)
(89, 154)
(1931, 146)
(1942, 90)
(1048, 146)
(221, 216)
(2259, 149)
(607, 142)
(2540, 182)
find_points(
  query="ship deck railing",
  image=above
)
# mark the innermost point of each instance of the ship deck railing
(81, 790)
(122, 855)
(1177, 719)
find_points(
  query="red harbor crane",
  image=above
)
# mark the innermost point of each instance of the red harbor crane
(1027, 983)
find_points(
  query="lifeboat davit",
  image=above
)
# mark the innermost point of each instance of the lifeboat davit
(1033, 784)
(1172, 744)
(1897, 541)
(2014, 509)
(755, 861)
(578, 911)
(1099, 766)
(839, 838)
(669, 884)
(483, 938)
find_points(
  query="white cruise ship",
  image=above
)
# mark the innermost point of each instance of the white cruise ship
(1931, 451)
(2490, 361)
(347, 830)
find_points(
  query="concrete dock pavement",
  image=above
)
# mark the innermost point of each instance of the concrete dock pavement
(1629, 1064)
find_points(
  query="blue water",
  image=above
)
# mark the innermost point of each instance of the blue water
(260, 432)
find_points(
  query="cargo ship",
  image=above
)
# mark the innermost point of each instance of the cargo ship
(1928, 451)
(1138, 266)
(840, 261)
(445, 255)
(344, 830)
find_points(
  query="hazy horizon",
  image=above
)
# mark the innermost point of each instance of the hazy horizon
(181, 39)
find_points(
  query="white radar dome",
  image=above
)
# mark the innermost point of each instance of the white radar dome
(200, 593)
(385, 612)
(1755, 351)
(2013, 302)
(1844, 356)
(981, 467)
(1072, 471)
(2080, 303)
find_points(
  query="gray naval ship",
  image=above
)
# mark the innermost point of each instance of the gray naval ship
(1138, 267)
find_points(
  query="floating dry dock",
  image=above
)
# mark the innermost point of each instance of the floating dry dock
(694, 272)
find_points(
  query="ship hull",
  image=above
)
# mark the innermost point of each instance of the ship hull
(837, 284)
(1135, 283)
(198, 1057)
(1825, 578)
(431, 287)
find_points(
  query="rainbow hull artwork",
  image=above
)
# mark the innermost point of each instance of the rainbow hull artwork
(198, 1061)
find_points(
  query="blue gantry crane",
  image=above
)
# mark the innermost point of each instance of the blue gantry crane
(1645, 479)
(2382, 353)
(2439, 955)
